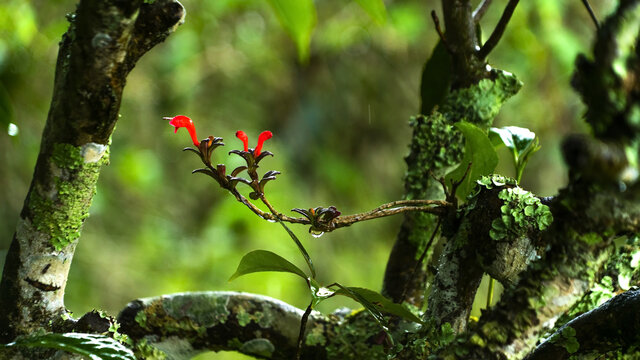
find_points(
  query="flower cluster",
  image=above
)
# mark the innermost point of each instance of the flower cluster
(319, 217)
(252, 157)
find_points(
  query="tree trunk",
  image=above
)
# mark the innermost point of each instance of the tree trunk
(104, 41)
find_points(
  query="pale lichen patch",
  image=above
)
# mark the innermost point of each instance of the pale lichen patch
(93, 152)
(259, 347)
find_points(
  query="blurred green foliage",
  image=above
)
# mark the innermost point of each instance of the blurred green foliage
(340, 124)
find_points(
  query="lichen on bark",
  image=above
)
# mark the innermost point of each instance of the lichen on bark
(61, 210)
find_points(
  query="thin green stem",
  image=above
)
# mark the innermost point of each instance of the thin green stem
(304, 252)
(492, 284)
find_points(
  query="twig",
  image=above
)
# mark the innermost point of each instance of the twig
(347, 220)
(591, 13)
(480, 10)
(492, 284)
(436, 21)
(499, 30)
(388, 209)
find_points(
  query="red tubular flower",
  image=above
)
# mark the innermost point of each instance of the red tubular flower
(265, 135)
(244, 138)
(185, 122)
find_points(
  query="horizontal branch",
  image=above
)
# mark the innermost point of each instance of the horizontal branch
(384, 210)
(614, 325)
(184, 324)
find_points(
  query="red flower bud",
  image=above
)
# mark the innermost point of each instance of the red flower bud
(185, 122)
(244, 138)
(265, 135)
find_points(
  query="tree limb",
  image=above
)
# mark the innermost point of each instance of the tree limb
(614, 325)
(182, 325)
(495, 36)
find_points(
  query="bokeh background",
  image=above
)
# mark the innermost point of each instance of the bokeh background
(340, 124)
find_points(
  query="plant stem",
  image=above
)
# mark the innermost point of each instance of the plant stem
(303, 325)
(492, 283)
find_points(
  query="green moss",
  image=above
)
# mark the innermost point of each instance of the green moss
(357, 338)
(477, 340)
(591, 238)
(494, 332)
(67, 156)
(436, 148)
(61, 212)
(264, 319)
(141, 319)
(203, 309)
(316, 336)
(480, 103)
(144, 350)
(567, 339)
(244, 318)
(234, 343)
(521, 213)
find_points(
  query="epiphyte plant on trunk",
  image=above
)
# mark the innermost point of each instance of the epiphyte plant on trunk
(320, 219)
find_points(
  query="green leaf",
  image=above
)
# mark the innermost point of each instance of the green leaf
(375, 9)
(479, 152)
(521, 141)
(298, 18)
(379, 303)
(95, 347)
(513, 137)
(355, 295)
(436, 79)
(262, 260)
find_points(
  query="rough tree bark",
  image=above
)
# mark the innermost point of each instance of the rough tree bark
(551, 275)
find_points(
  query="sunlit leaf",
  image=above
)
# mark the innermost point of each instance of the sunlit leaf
(95, 347)
(375, 9)
(521, 141)
(377, 300)
(513, 137)
(479, 152)
(298, 18)
(262, 260)
(436, 79)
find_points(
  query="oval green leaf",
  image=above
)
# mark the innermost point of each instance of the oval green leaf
(95, 347)
(516, 138)
(262, 261)
(479, 152)
(298, 18)
(369, 298)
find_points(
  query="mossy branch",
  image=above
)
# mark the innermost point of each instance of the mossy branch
(182, 325)
(612, 326)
